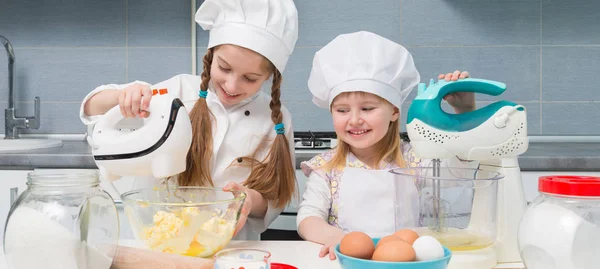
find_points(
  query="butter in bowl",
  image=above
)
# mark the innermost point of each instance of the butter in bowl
(190, 221)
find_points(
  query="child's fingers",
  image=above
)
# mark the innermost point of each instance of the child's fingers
(455, 75)
(323, 251)
(448, 77)
(231, 186)
(441, 76)
(464, 74)
(331, 253)
(146, 96)
(144, 114)
(136, 102)
(127, 105)
(246, 208)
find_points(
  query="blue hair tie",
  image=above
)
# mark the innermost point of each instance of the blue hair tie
(279, 128)
(203, 94)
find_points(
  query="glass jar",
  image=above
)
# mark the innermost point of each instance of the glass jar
(62, 220)
(561, 228)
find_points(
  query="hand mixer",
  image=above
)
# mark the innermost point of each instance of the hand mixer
(493, 135)
(158, 148)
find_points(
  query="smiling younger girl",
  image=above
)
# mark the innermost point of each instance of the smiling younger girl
(362, 79)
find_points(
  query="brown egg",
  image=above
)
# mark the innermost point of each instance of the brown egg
(357, 245)
(409, 236)
(394, 251)
(386, 239)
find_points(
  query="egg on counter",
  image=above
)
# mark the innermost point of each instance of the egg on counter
(394, 251)
(428, 248)
(357, 245)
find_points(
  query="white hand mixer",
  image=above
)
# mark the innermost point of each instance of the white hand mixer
(493, 135)
(158, 148)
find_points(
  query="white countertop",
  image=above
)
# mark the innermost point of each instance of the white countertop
(302, 254)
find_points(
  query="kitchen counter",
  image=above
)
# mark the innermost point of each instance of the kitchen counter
(541, 156)
(301, 254)
(72, 154)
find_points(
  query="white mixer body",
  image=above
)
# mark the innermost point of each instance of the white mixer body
(158, 148)
(487, 141)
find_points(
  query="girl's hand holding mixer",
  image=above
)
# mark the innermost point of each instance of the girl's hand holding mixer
(134, 100)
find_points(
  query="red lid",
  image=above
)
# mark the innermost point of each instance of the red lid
(282, 266)
(570, 185)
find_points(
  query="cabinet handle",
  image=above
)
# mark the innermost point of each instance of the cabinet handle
(14, 194)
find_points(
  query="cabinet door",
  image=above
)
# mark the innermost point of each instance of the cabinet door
(9, 179)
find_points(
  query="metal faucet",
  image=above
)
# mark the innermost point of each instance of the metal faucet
(11, 122)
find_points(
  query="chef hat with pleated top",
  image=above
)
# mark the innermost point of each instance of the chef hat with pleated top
(269, 27)
(362, 61)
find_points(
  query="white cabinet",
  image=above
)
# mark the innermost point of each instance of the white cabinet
(287, 220)
(9, 179)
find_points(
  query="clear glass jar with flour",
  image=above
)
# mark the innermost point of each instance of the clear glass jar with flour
(561, 228)
(63, 220)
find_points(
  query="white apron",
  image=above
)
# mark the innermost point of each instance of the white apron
(376, 202)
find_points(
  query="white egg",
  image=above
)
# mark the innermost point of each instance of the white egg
(428, 248)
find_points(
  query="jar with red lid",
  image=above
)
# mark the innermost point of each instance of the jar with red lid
(561, 228)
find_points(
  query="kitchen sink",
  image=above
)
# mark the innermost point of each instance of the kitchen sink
(24, 144)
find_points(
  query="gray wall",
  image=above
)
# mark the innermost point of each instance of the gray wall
(546, 51)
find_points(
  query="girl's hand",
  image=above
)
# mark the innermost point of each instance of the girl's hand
(134, 100)
(246, 208)
(329, 246)
(461, 101)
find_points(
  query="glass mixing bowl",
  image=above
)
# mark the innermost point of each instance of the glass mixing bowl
(457, 207)
(192, 221)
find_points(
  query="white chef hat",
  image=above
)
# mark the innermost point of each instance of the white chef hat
(269, 27)
(362, 61)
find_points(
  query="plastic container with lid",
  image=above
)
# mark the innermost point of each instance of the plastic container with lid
(561, 228)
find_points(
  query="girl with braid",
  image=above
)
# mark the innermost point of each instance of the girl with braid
(243, 138)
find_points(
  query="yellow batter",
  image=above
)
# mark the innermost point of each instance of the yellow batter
(188, 231)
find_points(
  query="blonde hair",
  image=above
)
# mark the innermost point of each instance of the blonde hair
(388, 148)
(274, 177)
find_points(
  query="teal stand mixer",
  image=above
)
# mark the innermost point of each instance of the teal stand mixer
(494, 136)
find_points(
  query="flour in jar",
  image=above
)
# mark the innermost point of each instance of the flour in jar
(34, 241)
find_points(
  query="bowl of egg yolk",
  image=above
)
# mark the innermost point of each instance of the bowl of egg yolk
(404, 249)
(191, 221)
